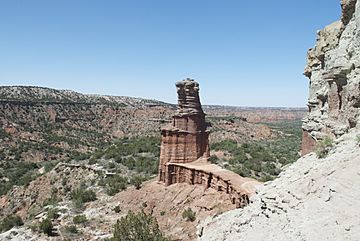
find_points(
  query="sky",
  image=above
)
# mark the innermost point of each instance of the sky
(243, 53)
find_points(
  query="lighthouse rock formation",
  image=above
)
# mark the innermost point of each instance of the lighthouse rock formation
(185, 151)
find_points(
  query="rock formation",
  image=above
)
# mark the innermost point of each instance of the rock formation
(333, 67)
(186, 139)
(185, 150)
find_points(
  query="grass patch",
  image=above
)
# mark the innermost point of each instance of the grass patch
(323, 147)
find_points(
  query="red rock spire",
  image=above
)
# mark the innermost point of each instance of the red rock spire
(186, 139)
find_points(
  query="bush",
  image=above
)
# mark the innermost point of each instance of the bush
(127, 152)
(214, 159)
(53, 213)
(80, 196)
(117, 209)
(138, 226)
(80, 219)
(71, 229)
(323, 147)
(136, 181)
(189, 215)
(46, 227)
(114, 184)
(9, 222)
(52, 200)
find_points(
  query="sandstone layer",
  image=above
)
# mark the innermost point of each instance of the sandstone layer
(333, 67)
(185, 151)
(186, 138)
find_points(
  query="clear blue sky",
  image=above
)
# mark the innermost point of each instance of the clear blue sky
(245, 53)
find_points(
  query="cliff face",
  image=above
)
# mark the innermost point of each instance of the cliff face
(333, 67)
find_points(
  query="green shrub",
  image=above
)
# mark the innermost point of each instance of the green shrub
(92, 161)
(262, 158)
(80, 219)
(138, 226)
(162, 213)
(81, 195)
(114, 184)
(46, 227)
(323, 147)
(136, 181)
(71, 229)
(9, 222)
(127, 152)
(189, 215)
(214, 159)
(117, 209)
(52, 200)
(53, 213)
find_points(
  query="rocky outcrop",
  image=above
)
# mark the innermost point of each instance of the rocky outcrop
(333, 68)
(186, 139)
(314, 199)
(185, 151)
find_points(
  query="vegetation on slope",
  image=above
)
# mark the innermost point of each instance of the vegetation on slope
(138, 226)
(262, 159)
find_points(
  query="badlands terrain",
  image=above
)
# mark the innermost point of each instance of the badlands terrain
(71, 164)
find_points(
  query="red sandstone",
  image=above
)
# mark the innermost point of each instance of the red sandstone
(185, 150)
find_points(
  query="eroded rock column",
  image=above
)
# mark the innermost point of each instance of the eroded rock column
(187, 138)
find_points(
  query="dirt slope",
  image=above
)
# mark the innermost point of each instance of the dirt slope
(314, 199)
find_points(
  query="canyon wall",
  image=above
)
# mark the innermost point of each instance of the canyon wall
(333, 68)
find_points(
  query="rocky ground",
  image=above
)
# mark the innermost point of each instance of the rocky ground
(313, 199)
(165, 203)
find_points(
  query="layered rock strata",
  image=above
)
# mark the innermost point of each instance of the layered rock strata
(186, 138)
(333, 67)
(185, 150)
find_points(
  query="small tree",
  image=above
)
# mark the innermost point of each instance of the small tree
(46, 227)
(189, 215)
(323, 147)
(137, 181)
(138, 226)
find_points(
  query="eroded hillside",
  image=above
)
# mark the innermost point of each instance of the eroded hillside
(67, 156)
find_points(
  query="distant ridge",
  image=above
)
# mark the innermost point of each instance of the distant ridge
(46, 95)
